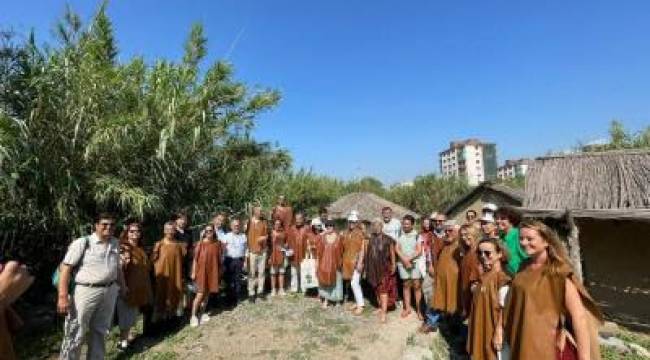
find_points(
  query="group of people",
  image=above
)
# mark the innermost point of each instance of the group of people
(506, 285)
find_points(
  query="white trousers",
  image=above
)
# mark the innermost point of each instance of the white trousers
(294, 282)
(91, 312)
(355, 283)
(256, 272)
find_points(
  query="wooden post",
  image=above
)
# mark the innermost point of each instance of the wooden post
(573, 241)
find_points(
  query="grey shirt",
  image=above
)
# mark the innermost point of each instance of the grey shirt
(100, 264)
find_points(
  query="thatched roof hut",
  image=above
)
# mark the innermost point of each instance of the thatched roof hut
(486, 192)
(591, 181)
(600, 203)
(367, 204)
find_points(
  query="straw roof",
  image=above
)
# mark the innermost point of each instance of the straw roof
(509, 195)
(615, 183)
(367, 204)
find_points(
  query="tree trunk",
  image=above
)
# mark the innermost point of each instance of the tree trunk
(573, 241)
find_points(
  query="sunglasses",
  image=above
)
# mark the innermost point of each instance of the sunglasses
(484, 253)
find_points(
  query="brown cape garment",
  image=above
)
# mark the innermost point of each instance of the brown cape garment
(297, 241)
(532, 313)
(330, 258)
(168, 269)
(277, 243)
(285, 214)
(254, 231)
(484, 314)
(352, 246)
(469, 272)
(137, 278)
(445, 293)
(208, 266)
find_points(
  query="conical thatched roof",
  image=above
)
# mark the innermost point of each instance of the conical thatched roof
(367, 204)
(590, 181)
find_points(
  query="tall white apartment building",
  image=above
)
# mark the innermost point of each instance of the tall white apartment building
(513, 168)
(472, 159)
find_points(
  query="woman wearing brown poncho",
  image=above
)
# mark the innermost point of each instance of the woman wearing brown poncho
(137, 270)
(445, 274)
(277, 261)
(545, 294)
(329, 260)
(485, 333)
(380, 267)
(167, 258)
(206, 273)
(352, 241)
(469, 265)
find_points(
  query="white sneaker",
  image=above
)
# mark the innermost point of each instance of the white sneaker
(273, 293)
(194, 321)
(282, 293)
(204, 318)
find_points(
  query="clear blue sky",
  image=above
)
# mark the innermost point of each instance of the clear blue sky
(380, 87)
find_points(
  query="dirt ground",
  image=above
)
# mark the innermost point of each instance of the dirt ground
(294, 327)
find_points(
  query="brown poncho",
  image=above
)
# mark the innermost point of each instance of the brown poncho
(278, 240)
(285, 214)
(532, 314)
(352, 246)
(330, 258)
(445, 293)
(378, 258)
(167, 257)
(207, 256)
(137, 277)
(469, 272)
(484, 314)
(253, 232)
(297, 241)
(437, 243)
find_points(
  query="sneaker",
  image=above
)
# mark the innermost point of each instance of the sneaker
(273, 293)
(194, 321)
(204, 318)
(251, 299)
(282, 293)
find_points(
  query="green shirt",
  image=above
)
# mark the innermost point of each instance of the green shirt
(516, 253)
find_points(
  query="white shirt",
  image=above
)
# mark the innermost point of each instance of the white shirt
(393, 228)
(100, 263)
(236, 244)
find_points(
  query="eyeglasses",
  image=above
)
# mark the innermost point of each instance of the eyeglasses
(484, 253)
(104, 224)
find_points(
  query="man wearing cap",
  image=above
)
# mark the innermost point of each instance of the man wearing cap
(392, 227)
(353, 246)
(297, 241)
(488, 226)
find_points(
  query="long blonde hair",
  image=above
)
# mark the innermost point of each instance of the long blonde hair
(558, 256)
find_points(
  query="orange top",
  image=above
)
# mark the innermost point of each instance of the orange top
(207, 260)
(297, 241)
(352, 246)
(256, 228)
(278, 240)
(330, 255)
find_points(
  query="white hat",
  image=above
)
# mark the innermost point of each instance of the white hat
(450, 223)
(354, 216)
(433, 215)
(488, 217)
(490, 207)
(316, 222)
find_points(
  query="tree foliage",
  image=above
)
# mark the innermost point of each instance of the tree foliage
(622, 139)
(82, 132)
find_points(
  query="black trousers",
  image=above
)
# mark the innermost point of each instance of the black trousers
(234, 267)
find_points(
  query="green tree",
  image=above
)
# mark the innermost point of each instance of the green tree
(81, 131)
(429, 193)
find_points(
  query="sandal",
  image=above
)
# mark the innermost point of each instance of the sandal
(358, 311)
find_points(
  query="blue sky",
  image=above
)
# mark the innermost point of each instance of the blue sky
(378, 88)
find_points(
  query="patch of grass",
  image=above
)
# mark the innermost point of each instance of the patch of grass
(332, 340)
